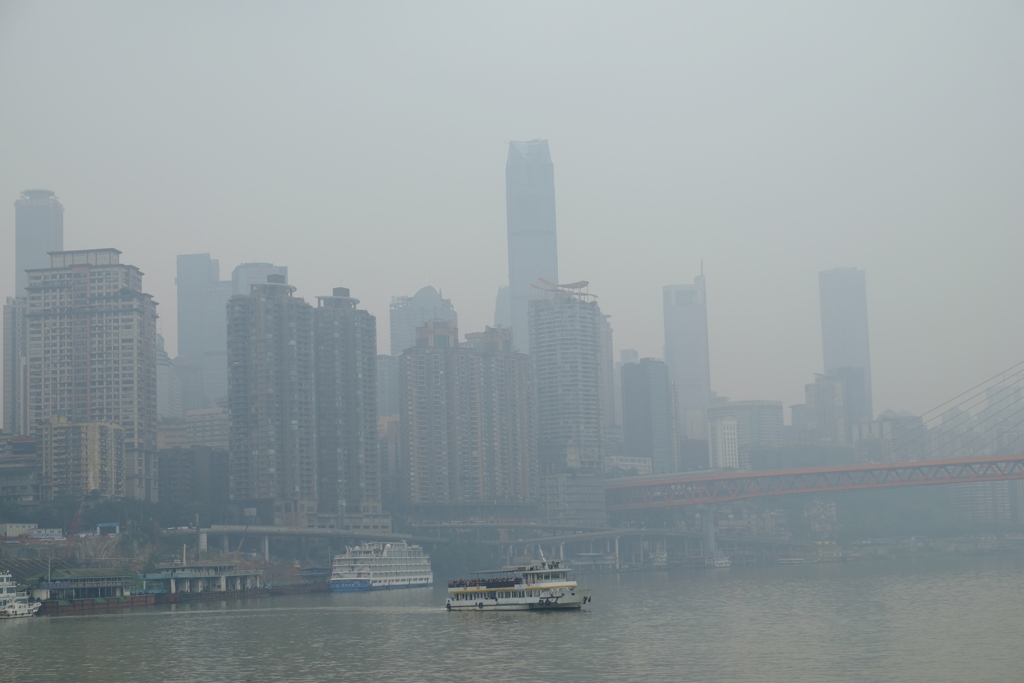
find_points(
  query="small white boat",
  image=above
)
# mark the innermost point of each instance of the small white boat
(15, 603)
(540, 586)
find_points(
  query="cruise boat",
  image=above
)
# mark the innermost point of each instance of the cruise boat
(540, 586)
(380, 566)
(15, 603)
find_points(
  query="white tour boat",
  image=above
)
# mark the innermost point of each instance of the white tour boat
(15, 603)
(540, 586)
(381, 566)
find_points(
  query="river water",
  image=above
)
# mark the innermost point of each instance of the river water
(952, 619)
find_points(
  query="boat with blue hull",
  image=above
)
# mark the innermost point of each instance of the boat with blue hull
(381, 566)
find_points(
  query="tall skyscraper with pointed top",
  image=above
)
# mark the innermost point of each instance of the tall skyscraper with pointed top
(532, 240)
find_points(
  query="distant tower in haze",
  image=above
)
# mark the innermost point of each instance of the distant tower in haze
(409, 313)
(244, 276)
(647, 420)
(844, 338)
(532, 243)
(38, 230)
(202, 360)
(686, 353)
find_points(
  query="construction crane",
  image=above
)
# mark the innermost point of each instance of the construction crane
(69, 545)
(240, 542)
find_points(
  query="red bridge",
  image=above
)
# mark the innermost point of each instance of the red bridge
(671, 490)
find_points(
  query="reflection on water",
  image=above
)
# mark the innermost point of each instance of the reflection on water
(957, 620)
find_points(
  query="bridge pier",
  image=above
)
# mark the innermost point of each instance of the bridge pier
(707, 520)
(224, 544)
(266, 548)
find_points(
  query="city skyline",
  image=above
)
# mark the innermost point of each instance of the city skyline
(734, 147)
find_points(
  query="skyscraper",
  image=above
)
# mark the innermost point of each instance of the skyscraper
(468, 422)
(647, 419)
(38, 230)
(202, 324)
(686, 353)
(244, 276)
(348, 470)
(409, 313)
(532, 240)
(844, 338)
(95, 358)
(758, 424)
(272, 404)
(202, 331)
(566, 346)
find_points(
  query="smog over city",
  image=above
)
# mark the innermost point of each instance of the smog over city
(515, 282)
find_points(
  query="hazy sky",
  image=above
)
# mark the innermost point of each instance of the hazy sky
(363, 144)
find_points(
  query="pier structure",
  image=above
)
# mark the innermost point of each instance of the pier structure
(200, 578)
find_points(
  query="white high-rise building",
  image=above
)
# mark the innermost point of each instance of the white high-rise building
(723, 443)
(566, 343)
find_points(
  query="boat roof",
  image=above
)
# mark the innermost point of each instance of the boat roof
(532, 569)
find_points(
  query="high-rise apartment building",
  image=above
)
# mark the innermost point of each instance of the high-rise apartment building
(427, 440)
(507, 413)
(82, 458)
(38, 230)
(91, 353)
(686, 353)
(647, 414)
(566, 346)
(532, 239)
(409, 313)
(388, 386)
(168, 384)
(468, 430)
(15, 370)
(844, 338)
(348, 467)
(272, 404)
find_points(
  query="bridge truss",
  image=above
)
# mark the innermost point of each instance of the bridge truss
(680, 490)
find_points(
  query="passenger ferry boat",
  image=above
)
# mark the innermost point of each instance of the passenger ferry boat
(15, 603)
(540, 586)
(381, 566)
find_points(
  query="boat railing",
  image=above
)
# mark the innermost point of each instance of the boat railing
(482, 583)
